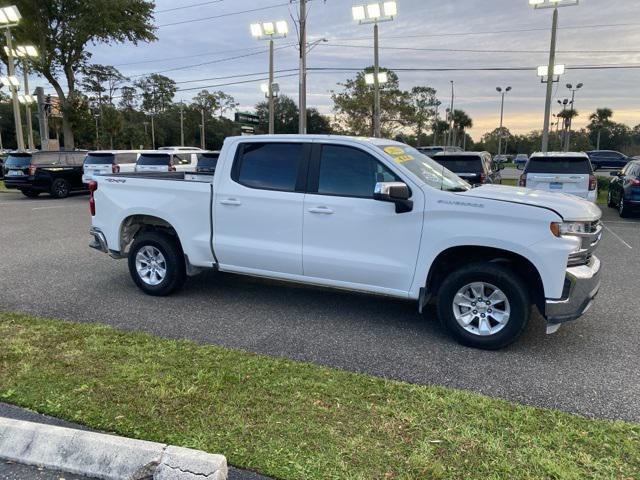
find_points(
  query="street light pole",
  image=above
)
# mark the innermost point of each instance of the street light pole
(203, 141)
(502, 93)
(153, 132)
(302, 94)
(573, 97)
(450, 119)
(376, 83)
(27, 105)
(272, 113)
(182, 124)
(14, 92)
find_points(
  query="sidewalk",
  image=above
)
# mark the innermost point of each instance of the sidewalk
(22, 472)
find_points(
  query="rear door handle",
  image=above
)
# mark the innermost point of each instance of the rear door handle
(231, 201)
(321, 210)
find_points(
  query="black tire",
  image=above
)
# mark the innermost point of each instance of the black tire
(610, 202)
(30, 193)
(500, 276)
(174, 263)
(59, 188)
(623, 210)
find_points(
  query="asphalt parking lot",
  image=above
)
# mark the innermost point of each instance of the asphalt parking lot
(589, 367)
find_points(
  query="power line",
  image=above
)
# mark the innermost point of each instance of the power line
(476, 69)
(223, 15)
(236, 76)
(184, 7)
(184, 57)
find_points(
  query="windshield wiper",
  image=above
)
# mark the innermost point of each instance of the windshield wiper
(457, 189)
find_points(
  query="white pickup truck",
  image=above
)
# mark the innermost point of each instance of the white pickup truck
(366, 215)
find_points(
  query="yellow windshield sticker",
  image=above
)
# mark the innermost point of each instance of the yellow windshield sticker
(394, 151)
(403, 158)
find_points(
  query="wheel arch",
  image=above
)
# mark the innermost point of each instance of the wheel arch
(455, 257)
(135, 224)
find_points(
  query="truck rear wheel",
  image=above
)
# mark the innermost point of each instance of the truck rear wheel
(156, 263)
(484, 305)
(59, 188)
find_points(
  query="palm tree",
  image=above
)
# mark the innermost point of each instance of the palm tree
(600, 119)
(461, 122)
(567, 116)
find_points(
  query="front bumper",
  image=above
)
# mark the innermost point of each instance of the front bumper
(582, 284)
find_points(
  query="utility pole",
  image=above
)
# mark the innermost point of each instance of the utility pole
(182, 124)
(503, 93)
(153, 132)
(435, 129)
(552, 66)
(302, 94)
(573, 98)
(27, 105)
(202, 139)
(376, 83)
(450, 119)
(14, 92)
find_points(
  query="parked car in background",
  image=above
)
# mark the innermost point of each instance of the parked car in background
(108, 161)
(167, 161)
(207, 162)
(607, 159)
(56, 173)
(3, 157)
(501, 158)
(521, 160)
(429, 151)
(477, 168)
(624, 189)
(561, 172)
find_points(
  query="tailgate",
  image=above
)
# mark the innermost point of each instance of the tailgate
(575, 184)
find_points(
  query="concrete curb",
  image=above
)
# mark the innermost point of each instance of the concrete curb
(104, 456)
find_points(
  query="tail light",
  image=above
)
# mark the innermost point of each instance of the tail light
(523, 180)
(93, 186)
(483, 178)
(115, 168)
(172, 167)
(593, 182)
(32, 170)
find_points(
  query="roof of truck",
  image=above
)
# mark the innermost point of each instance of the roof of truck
(374, 141)
(560, 154)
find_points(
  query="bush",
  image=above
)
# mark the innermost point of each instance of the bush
(603, 184)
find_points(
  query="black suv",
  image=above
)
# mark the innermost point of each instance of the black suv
(607, 159)
(56, 173)
(477, 168)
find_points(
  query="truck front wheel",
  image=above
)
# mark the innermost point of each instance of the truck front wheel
(484, 305)
(156, 263)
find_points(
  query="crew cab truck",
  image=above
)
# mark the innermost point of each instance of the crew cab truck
(366, 215)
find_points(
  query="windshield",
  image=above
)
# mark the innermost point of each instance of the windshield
(99, 159)
(580, 165)
(154, 159)
(18, 160)
(424, 168)
(460, 163)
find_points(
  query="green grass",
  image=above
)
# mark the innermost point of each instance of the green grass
(296, 420)
(510, 181)
(3, 188)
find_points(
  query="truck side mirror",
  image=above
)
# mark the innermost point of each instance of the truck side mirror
(394, 192)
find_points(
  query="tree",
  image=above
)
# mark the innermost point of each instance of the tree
(101, 82)
(461, 122)
(225, 103)
(423, 102)
(354, 105)
(599, 120)
(112, 120)
(62, 30)
(285, 115)
(128, 99)
(157, 92)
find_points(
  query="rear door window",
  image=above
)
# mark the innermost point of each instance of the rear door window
(460, 163)
(269, 166)
(182, 159)
(17, 160)
(154, 159)
(559, 165)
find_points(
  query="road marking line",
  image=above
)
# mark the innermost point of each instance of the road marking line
(618, 237)
(628, 224)
(47, 208)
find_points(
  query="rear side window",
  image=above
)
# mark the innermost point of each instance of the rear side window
(269, 166)
(350, 172)
(559, 165)
(123, 158)
(208, 160)
(460, 163)
(182, 159)
(99, 159)
(154, 159)
(46, 159)
(72, 159)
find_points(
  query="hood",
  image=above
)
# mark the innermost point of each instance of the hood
(569, 207)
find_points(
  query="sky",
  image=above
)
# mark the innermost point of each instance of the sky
(427, 34)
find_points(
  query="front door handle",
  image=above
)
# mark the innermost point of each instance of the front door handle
(321, 210)
(231, 201)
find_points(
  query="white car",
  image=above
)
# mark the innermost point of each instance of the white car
(167, 161)
(366, 215)
(561, 172)
(101, 162)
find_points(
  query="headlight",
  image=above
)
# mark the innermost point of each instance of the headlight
(572, 228)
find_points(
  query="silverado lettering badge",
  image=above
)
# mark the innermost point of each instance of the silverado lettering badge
(115, 180)
(461, 204)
